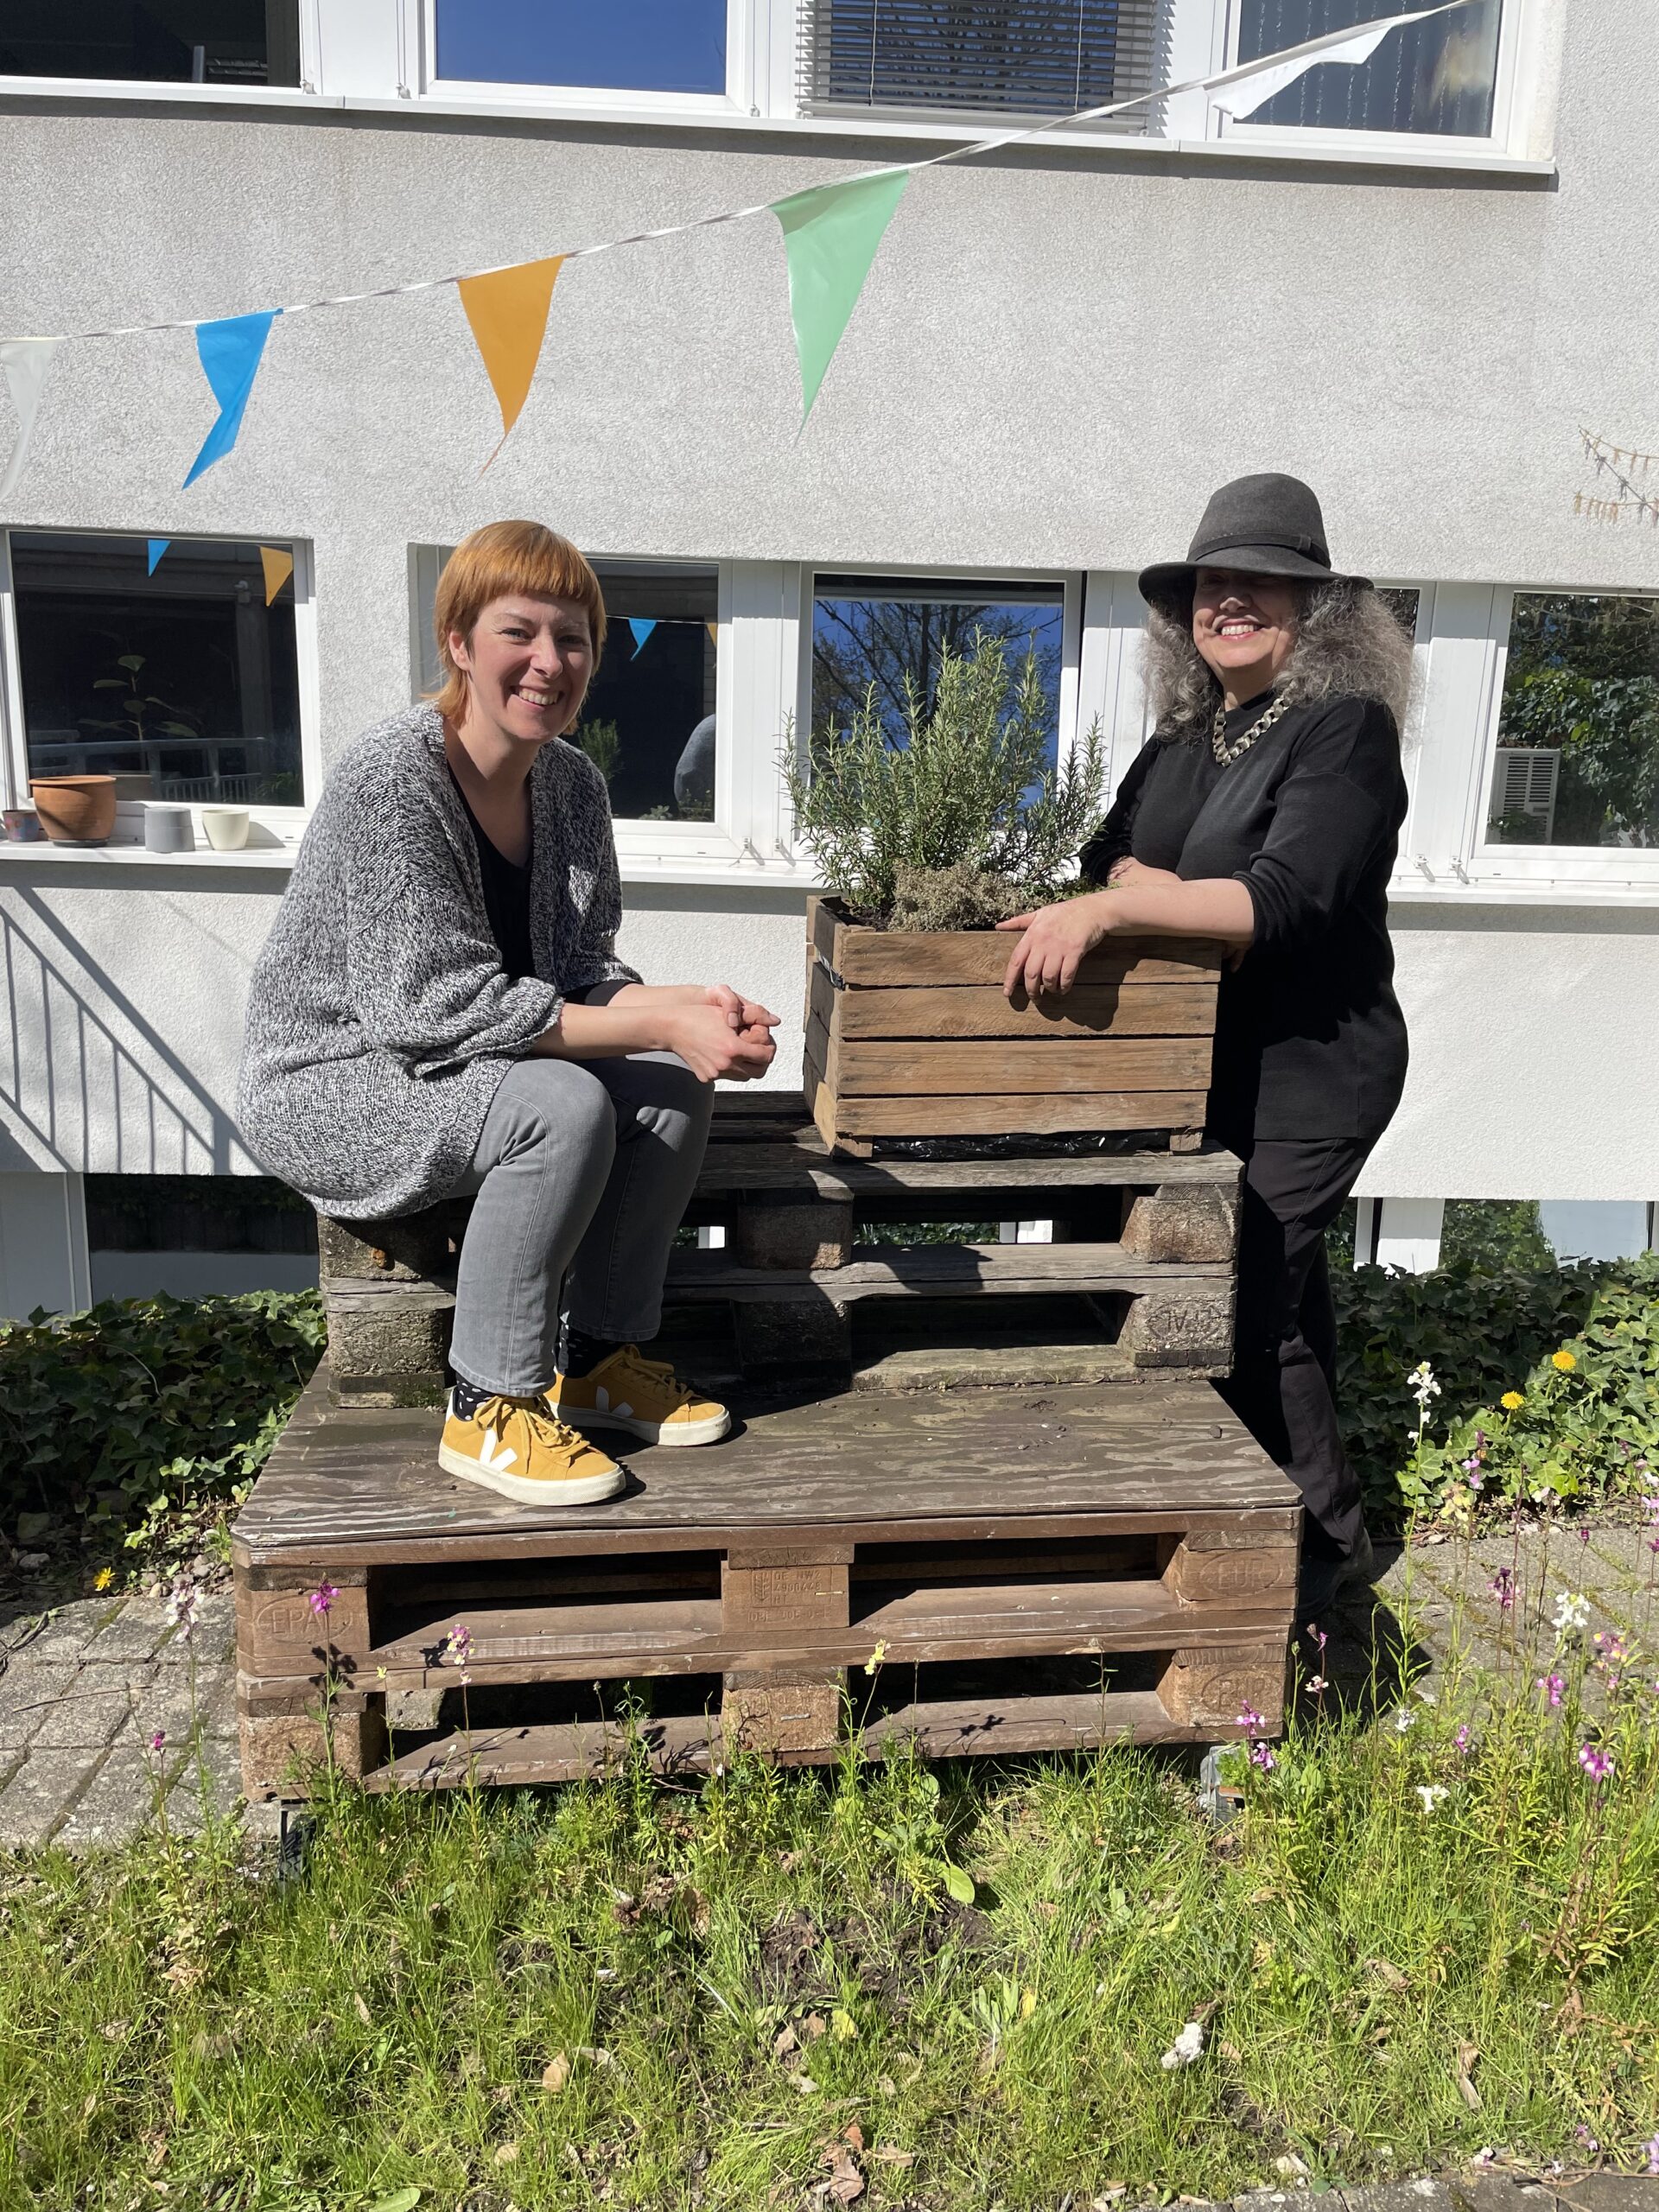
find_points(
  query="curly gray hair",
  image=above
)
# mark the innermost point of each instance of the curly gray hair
(1350, 644)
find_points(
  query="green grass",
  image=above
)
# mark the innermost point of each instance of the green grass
(741, 1974)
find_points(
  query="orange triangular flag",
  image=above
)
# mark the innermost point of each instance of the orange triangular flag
(507, 309)
(278, 567)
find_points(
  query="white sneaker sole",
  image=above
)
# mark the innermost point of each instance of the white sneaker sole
(569, 1489)
(650, 1432)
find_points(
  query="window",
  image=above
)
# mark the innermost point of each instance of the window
(182, 680)
(1025, 57)
(1576, 757)
(890, 635)
(1438, 77)
(174, 42)
(648, 721)
(658, 45)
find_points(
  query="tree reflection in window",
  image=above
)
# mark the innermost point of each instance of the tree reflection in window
(1577, 761)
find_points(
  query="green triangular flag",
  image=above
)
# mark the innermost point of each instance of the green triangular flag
(830, 234)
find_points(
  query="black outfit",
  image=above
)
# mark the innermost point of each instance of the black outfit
(1310, 1055)
(506, 899)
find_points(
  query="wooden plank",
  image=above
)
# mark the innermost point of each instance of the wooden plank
(900, 957)
(942, 1271)
(1016, 1066)
(969, 1010)
(348, 1486)
(1064, 1113)
(804, 1165)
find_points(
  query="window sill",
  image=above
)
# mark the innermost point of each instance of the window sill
(772, 875)
(1415, 891)
(1420, 155)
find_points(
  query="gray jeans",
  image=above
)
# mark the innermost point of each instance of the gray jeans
(582, 1171)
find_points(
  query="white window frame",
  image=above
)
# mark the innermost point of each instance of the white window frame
(1069, 582)
(268, 826)
(756, 72)
(1447, 841)
(1508, 116)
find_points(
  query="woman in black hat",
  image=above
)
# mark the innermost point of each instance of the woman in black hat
(1265, 811)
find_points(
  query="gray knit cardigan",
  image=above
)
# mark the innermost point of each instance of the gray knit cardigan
(381, 1019)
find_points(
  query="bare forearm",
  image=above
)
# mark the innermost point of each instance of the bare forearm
(1215, 907)
(644, 995)
(628, 1024)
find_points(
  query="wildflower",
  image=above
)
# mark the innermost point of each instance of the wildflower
(1651, 2146)
(1423, 1386)
(1551, 1686)
(1470, 1465)
(1483, 2159)
(458, 1644)
(1318, 1685)
(1587, 2138)
(1248, 1717)
(1563, 1360)
(181, 1603)
(1461, 1741)
(1477, 1482)
(875, 1658)
(1511, 1401)
(1322, 1639)
(1404, 1719)
(1597, 1764)
(1434, 1794)
(1262, 1758)
(1572, 1612)
(321, 1599)
(158, 1741)
(103, 1579)
(1502, 1587)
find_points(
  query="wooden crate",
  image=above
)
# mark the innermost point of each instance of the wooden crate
(909, 1035)
(1147, 1238)
(1137, 1528)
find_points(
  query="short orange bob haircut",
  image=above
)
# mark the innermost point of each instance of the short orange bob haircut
(491, 563)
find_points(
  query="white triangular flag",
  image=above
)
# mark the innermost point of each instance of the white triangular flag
(24, 363)
(1242, 90)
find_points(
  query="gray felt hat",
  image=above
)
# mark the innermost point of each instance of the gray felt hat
(1263, 526)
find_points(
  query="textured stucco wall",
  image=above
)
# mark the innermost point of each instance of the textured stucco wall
(1055, 359)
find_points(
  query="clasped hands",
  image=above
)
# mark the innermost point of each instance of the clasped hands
(1055, 940)
(721, 1035)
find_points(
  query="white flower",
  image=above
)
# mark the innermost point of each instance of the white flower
(1187, 2049)
(1404, 1719)
(1423, 1385)
(1434, 1794)
(1572, 1612)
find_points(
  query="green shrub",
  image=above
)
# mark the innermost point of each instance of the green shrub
(966, 788)
(104, 1412)
(1484, 1331)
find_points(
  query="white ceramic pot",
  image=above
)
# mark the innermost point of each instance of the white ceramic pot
(226, 827)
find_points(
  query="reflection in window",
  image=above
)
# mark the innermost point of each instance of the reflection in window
(890, 635)
(655, 46)
(172, 41)
(1436, 77)
(1577, 761)
(648, 721)
(181, 684)
(1023, 57)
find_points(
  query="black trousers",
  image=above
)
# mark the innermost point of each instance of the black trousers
(1283, 1385)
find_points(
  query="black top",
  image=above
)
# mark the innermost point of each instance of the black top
(1310, 1041)
(506, 899)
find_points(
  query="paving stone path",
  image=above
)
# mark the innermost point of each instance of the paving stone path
(1492, 2190)
(85, 1686)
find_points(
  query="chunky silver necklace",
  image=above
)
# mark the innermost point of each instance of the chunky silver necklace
(1225, 753)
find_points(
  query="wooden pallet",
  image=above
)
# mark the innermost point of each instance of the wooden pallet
(908, 1034)
(1137, 1529)
(1145, 1252)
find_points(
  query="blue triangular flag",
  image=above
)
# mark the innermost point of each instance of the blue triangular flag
(158, 547)
(229, 352)
(641, 630)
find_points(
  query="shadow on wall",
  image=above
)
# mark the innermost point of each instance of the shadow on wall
(85, 1078)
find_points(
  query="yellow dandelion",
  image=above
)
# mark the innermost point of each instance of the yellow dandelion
(1511, 1401)
(103, 1579)
(1564, 1360)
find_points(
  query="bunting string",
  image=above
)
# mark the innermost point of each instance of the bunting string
(1618, 465)
(831, 234)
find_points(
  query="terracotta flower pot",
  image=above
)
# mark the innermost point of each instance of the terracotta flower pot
(75, 810)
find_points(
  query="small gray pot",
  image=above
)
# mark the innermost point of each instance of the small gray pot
(166, 830)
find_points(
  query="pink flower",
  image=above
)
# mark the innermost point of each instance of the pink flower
(321, 1599)
(1587, 2138)
(1318, 1636)
(1651, 2146)
(1551, 1686)
(158, 1741)
(1262, 1758)
(1248, 1718)
(1595, 1764)
(1502, 1587)
(1461, 1739)
(1472, 1462)
(1318, 1684)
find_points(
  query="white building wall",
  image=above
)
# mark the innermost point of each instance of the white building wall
(1058, 356)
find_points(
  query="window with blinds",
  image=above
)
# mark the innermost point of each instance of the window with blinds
(1003, 57)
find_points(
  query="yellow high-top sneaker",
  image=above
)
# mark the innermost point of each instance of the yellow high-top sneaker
(643, 1397)
(519, 1448)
